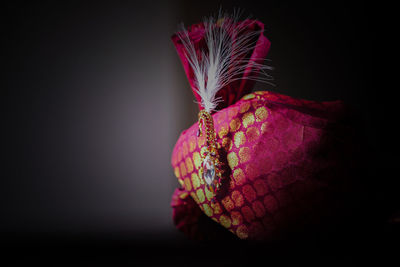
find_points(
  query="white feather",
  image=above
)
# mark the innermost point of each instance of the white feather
(223, 61)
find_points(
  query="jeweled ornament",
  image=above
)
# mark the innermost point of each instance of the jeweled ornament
(211, 166)
(208, 170)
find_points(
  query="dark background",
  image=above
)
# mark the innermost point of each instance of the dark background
(94, 98)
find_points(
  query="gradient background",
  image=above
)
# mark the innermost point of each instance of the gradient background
(96, 97)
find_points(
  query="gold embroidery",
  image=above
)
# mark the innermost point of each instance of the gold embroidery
(176, 171)
(235, 124)
(239, 139)
(228, 204)
(237, 198)
(207, 210)
(261, 114)
(209, 194)
(244, 154)
(216, 207)
(237, 218)
(188, 185)
(248, 97)
(200, 195)
(183, 195)
(183, 169)
(200, 174)
(242, 232)
(252, 134)
(238, 176)
(185, 149)
(248, 119)
(195, 181)
(232, 160)
(261, 92)
(193, 195)
(225, 221)
(192, 143)
(244, 107)
(197, 160)
(223, 130)
(189, 165)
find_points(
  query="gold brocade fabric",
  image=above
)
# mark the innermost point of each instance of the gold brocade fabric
(282, 158)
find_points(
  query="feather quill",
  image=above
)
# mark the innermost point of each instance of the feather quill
(224, 58)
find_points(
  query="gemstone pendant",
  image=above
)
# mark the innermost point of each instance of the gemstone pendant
(208, 170)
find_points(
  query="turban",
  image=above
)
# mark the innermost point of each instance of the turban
(285, 162)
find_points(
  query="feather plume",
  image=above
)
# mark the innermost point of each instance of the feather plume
(224, 58)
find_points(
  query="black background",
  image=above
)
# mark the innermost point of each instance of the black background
(94, 98)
